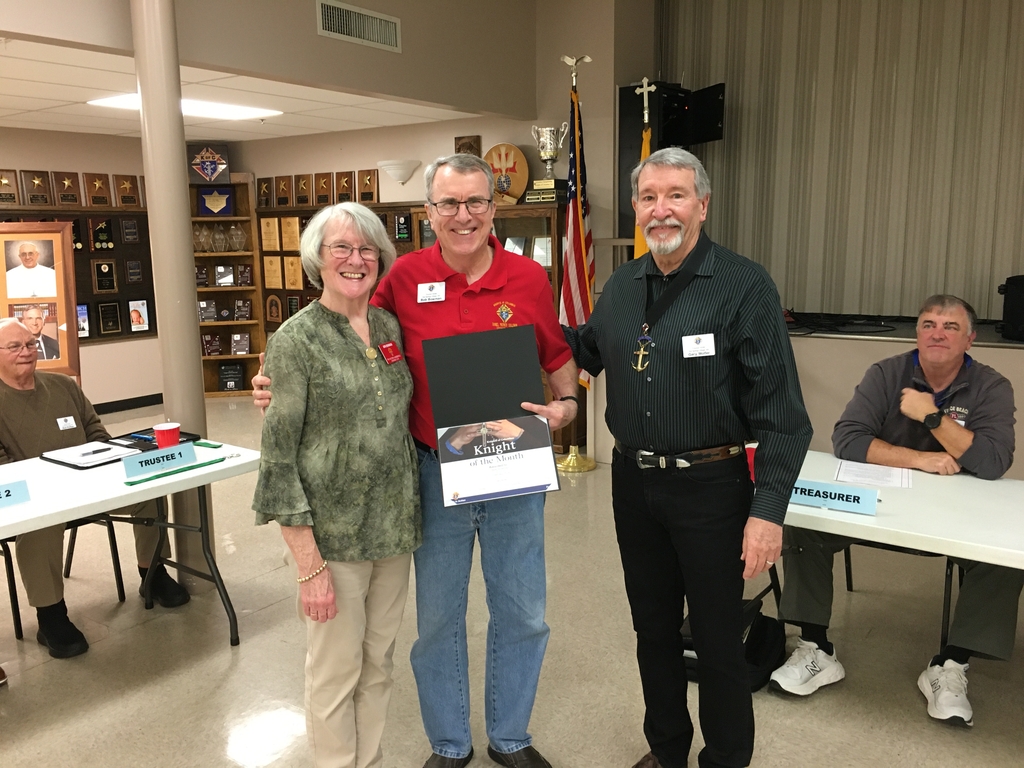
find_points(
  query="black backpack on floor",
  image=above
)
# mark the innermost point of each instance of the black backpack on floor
(764, 640)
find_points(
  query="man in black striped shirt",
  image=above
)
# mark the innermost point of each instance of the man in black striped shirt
(691, 377)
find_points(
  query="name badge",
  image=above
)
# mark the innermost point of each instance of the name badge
(838, 496)
(13, 493)
(157, 461)
(67, 422)
(389, 350)
(701, 345)
(429, 292)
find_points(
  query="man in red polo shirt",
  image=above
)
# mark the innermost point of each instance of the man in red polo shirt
(467, 283)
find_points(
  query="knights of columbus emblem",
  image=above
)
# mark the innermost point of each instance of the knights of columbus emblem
(208, 164)
(504, 312)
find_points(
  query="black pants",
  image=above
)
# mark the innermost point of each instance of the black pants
(680, 534)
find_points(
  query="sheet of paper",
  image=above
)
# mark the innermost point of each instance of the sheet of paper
(872, 474)
(90, 454)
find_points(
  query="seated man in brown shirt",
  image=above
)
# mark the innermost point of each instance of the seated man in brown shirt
(42, 411)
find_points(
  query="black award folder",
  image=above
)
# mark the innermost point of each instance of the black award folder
(476, 377)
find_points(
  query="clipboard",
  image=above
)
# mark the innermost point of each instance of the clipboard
(88, 455)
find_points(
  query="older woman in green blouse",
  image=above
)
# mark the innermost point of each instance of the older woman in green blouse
(338, 473)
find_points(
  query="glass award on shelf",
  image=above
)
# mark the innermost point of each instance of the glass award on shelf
(236, 237)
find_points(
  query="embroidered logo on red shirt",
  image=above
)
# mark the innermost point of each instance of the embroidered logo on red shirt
(504, 309)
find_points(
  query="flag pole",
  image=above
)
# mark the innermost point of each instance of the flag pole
(575, 461)
(639, 241)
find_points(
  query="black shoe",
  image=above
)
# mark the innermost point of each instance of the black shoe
(57, 632)
(439, 761)
(527, 757)
(166, 591)
(648, 761)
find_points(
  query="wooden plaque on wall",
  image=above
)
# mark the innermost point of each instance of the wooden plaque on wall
(303, 189)
(67, 189)
(368, 186)
(270, 238)
(290, 233)
(282, 191)
(36, 188)
(265, 192)
(322, 189)
(9, 194)
(97, 189)
(126, 191)
(344, 186)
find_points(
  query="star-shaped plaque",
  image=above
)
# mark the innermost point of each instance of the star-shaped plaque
(126, 186)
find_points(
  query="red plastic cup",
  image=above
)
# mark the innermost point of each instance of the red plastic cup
(167, 434)
(751, 447)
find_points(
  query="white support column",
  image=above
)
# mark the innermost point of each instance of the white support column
(170, 234)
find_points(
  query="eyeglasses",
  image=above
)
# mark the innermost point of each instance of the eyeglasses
(344, 250)
(16, 348)
(451, 207)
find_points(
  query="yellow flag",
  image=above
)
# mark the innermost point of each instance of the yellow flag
(639, 242)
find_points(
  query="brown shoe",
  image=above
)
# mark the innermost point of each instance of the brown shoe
(527, 757)
(440, 761)
(648, 761)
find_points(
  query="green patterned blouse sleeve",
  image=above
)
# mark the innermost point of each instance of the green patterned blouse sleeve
(336, 449)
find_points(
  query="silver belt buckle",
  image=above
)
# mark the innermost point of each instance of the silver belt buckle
(640, 456)
(682, 463)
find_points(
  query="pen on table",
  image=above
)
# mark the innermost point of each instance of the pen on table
(139, 436)
(98, 450)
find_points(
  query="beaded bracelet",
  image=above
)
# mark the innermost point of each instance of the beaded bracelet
(315, 573)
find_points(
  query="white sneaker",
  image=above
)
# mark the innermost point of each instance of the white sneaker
(807, 670)
(945, 688)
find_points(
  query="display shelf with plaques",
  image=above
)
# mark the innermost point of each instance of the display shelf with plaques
(228, 275)
(112, 266)
(285, 288)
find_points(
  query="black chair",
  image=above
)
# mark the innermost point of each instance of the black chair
(948, 587)
(73, 526)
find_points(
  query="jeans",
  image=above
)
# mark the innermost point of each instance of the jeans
(511, 533)
(680, 533)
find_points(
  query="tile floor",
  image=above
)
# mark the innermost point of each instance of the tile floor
(164, 688)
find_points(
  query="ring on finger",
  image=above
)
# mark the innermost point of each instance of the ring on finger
(770, 562)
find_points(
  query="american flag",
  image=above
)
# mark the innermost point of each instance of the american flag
(577, 298)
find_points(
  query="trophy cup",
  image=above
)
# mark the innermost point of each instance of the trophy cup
(549, 189)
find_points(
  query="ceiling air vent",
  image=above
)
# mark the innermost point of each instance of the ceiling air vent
(358, 25)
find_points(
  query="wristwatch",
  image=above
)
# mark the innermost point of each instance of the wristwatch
(933, 420)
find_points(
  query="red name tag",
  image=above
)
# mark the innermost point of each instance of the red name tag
(390, 352)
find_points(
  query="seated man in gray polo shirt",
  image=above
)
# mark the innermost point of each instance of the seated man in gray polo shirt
(44, 411)
(937, 410)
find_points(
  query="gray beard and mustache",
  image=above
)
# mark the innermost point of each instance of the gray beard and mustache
(664, 247)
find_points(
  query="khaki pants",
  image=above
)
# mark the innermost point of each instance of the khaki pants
(349, 662)
(41, 555)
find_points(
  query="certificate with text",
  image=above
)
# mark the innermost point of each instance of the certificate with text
(496, 459)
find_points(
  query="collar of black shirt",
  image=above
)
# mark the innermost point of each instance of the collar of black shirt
(703, 246)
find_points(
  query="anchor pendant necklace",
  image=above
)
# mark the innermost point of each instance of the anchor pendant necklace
(654, 311)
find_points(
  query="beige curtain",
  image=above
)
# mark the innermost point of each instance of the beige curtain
(873, 148)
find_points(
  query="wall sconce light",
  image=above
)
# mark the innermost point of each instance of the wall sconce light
(399, 170)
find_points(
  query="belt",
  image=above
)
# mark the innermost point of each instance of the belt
(649, 459)
(424, 447)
